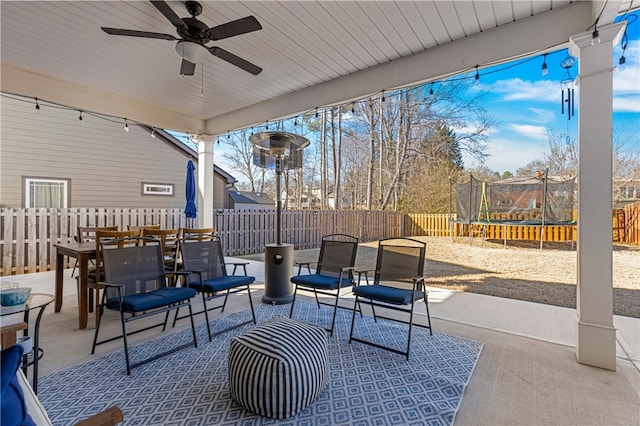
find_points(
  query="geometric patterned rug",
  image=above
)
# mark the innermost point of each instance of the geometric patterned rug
(367, 386)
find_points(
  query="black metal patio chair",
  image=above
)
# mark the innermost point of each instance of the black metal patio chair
(397, 285)
(136, 286)
(334, 271)
(204, 270)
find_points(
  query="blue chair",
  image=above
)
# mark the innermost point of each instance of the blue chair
(397, 285)
(334, 271)
(136, 286)
(205, 271)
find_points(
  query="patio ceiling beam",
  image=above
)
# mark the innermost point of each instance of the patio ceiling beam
(25, 83)
(544, 31)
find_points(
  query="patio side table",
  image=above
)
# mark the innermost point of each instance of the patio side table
(36, 302)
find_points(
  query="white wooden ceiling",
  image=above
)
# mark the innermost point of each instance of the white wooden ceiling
(312, 52)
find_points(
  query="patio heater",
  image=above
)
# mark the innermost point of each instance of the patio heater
(282, 151)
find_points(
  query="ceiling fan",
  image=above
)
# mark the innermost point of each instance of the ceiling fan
(194, 35)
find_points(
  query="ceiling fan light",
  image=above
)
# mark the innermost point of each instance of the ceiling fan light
(192, 52)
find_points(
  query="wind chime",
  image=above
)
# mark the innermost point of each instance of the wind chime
(568, 83)
(568, 88)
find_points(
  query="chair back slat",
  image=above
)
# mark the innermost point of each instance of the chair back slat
(139, 269)
(198, 234)
(88, 233)
(140, 227)
(336, 251)
(399, 261)
(203, 256)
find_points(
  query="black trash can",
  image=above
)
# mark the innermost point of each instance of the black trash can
(278, 268)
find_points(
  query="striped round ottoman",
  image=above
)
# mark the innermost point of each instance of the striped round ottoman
(278, 368)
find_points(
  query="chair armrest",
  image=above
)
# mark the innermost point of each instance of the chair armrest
(360, 272)
(177, 273)
(109, 417)
(235, 266)
(114, 285)
(305, 263)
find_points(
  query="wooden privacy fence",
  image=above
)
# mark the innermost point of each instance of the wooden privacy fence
(28, 236)
(627, 224)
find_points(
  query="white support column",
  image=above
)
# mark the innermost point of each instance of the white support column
(205, 180)
(595, 333)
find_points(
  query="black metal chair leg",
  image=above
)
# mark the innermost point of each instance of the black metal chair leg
(353, 318)
(293, 301)
(226, 296)
(206, 314)
(124, 339)
(193, 326)
(253, 314)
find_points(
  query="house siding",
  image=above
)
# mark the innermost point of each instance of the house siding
(106, 165)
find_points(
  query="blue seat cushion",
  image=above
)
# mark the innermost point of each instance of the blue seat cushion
(221, 283)
(386, 294)
(321, 281)
(151, 300)
(14, 409)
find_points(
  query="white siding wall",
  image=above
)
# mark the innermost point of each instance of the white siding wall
(105, 164)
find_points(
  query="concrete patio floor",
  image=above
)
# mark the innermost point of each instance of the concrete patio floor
(527, 373)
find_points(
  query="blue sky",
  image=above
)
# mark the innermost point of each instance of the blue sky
(525, 104)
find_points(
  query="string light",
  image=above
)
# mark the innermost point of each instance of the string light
(353, 107)
(595, 36)
(80, 117)
(153, 133)
(228, 135)
(382, 93)
(545, 70)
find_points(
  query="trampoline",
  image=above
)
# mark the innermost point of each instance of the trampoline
(517, 205)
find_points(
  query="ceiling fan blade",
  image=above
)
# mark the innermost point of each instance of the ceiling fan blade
(187, 68)
(235, 60)
(234, 28)
(169, 13)
(134, 33)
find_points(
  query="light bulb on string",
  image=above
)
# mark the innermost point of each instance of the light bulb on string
(153, 133)
(37, 106)
(383, 98)
(316, 112)
(431, 90)
(80, 119)
(477, 77)
(545, 69)
(295, 121)
(353, 108)
(126, 125)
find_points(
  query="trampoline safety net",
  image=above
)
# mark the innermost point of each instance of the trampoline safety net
(529, 200)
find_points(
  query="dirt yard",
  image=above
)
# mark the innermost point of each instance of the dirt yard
(519, 271)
